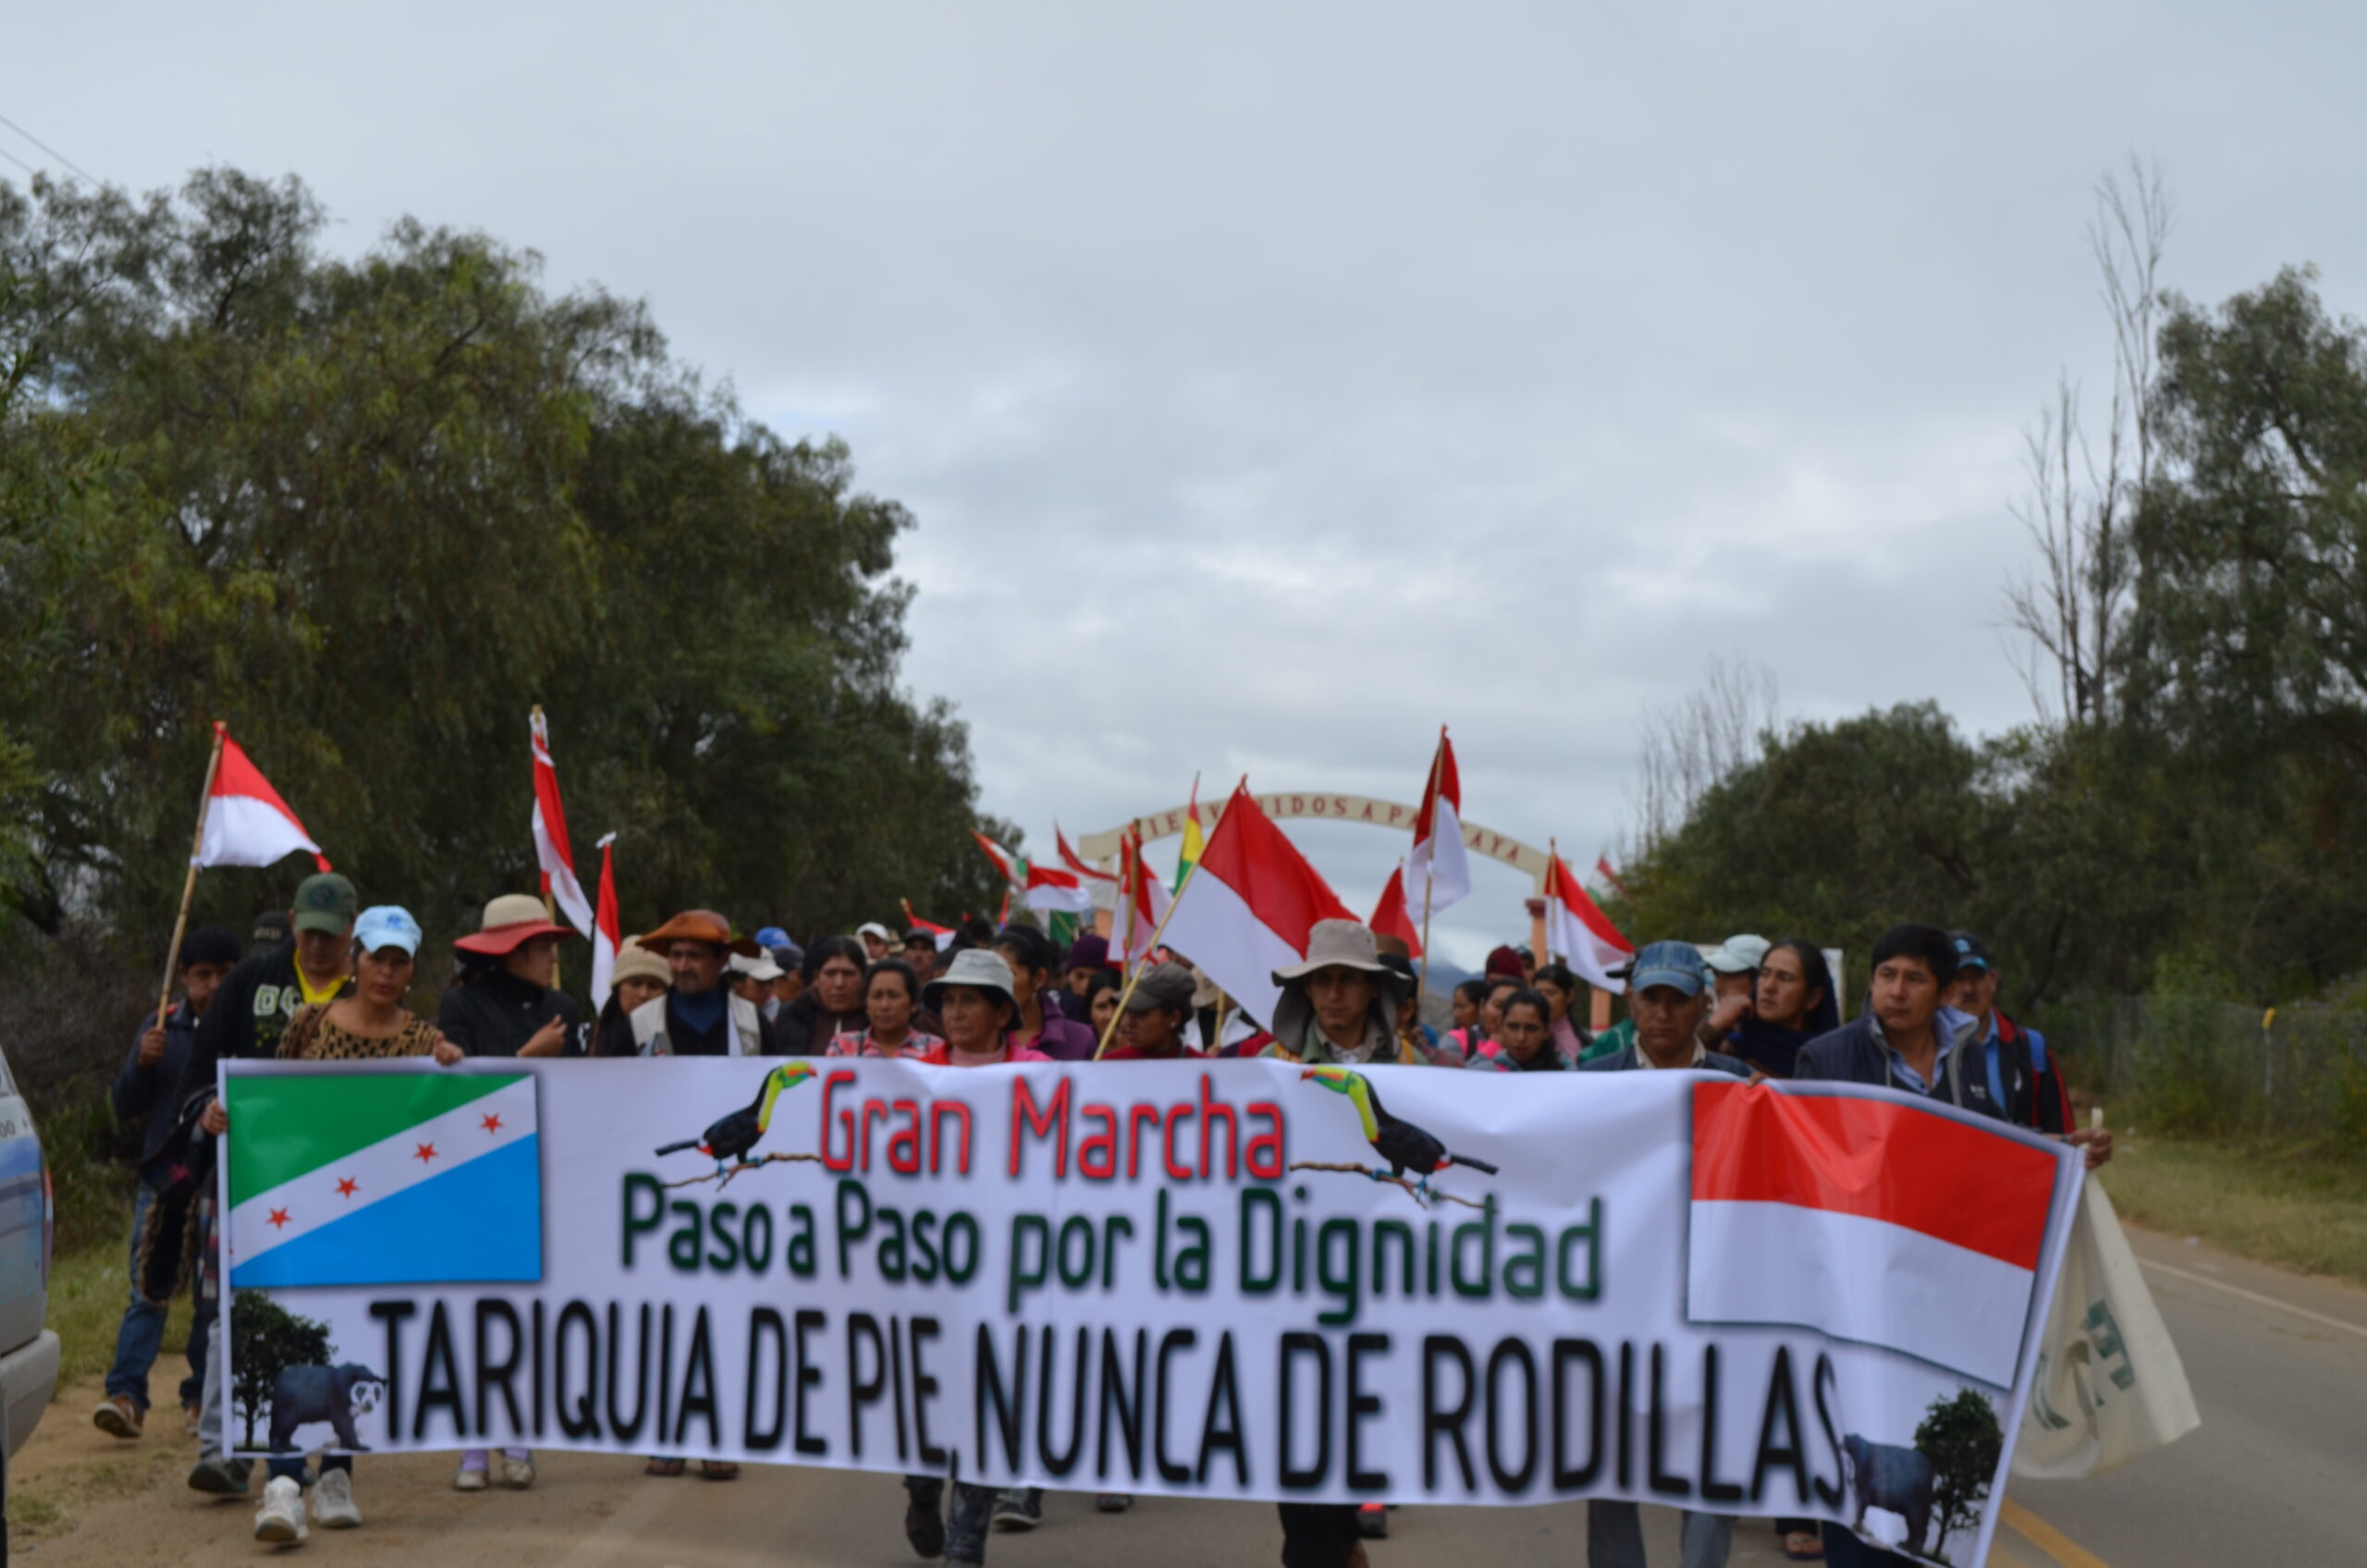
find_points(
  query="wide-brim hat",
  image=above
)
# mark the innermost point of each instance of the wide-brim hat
(700, 926)
(508, 922)
(981, 969)
(1336, 944)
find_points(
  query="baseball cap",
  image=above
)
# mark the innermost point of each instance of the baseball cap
(1970, 954)
(1678, 964)
(1738, 955)
(772, 937)
(382, 926)
(872, 928)
(325, 901)
(1163, 986)
(271, 930)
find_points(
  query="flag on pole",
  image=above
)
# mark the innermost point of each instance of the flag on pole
(1194, 841)
(1391, 917)
(1248, 909)
(941, 935)
(608, 931)
(1602, 869)
(246, 822)
(1438, 863)
(1873, 1189)
(1050, 888)
(551, 852)
(1142, 900)
(1005, 861)
(1075, 861)
(1577, 929)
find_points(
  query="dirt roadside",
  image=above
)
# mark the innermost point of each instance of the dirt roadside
(78, 1497)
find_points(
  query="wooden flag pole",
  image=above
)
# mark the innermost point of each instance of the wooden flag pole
(189, 885)
(1175, 903)
(1422, 975)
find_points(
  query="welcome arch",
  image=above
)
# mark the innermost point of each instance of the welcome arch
(1319, 805)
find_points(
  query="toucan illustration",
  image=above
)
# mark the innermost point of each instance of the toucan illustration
(1404, 1145)
(732, 1137)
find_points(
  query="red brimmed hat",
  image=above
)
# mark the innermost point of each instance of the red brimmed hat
(509, 922)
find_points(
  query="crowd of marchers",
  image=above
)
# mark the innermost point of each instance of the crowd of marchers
(331, 979)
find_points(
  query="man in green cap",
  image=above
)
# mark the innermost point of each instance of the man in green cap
(262, 993)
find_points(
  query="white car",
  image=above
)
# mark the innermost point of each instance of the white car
(28, 1349)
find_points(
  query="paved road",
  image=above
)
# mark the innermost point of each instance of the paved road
(2279, 1367)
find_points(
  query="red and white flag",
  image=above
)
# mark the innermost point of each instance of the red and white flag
(1143, 900)
(1248, 908)
(246, 822)
(1049, 888)
(1075, 861)
(1922, 1231)
(1391, 917)
(1005, 861)
(1577, 929)
(941, 935)
(608, 931)
(1439, 865)
(551, 852)
(1610, 877)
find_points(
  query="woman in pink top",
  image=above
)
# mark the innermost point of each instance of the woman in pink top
(890, 995)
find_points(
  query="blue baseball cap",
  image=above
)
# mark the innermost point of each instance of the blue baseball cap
(1679, 965)
(772, 938)
(386, 925)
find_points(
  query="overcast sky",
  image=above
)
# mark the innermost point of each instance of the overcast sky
(1273, 383)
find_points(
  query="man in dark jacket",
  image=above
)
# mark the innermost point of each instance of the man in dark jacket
(1907, 1040)
(1668, 996)
(504, 1004)
(699, 1016)
(262, 994)
(142, 1097)
(2046, 1104)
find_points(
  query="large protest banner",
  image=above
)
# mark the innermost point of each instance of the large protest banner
(1223, 1279)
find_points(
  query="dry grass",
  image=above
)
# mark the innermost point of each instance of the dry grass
(2300, 1204)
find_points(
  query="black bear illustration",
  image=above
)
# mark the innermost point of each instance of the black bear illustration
(334, 1394)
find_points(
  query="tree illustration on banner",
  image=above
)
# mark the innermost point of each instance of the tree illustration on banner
(1963, 1440)
(265, 1340)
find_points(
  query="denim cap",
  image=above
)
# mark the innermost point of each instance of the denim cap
(386, 925)
(1970, 954)
(1678, 964)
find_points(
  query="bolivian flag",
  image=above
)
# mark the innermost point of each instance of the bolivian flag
(1194, 840)
(383, 1178)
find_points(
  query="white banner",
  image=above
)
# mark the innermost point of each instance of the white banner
(1236, 1279)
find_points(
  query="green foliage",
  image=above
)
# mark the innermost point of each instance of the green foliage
(368, 511)
(266, 1339)
(1961, 1438)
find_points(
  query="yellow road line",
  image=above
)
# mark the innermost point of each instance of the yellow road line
(2047, 1538)
(2002, 1556)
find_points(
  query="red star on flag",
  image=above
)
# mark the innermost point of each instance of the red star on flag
(493, 1123)
(279, 1218)
(426, 1152)
(344, 1187)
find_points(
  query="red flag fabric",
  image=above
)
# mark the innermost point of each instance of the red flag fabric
(941, 935)
(1004, 861)
(1439, 867)
(1602, 869)
(607, 930)
(1246, 911)
(1143, 900)
(246, 822)
(551, 850)
(1577, 929)
(1391, 918)
(1075, 861)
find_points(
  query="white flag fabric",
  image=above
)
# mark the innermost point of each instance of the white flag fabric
(246, 822)
(608, 931)
(1576, 928)
(551, 850)
(1438, 872)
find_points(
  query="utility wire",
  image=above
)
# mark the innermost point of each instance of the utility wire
(46, 147)
(18, 162)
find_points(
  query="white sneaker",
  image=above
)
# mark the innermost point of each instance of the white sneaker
(468, 1478)
(280, 1518)
(517, 1474)
(333, 1501)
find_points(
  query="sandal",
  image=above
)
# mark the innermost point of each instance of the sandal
(1812, 1551)
(663, 1467)
(718, 1470)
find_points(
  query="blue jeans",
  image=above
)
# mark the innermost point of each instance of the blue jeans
(141, 1336)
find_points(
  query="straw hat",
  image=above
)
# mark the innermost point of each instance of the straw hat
(508, 922)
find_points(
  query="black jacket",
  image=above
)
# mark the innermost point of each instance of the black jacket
(245, 1018)
(493, 1012)
(805, 1029)
(1854, 1054)
(145, 1095)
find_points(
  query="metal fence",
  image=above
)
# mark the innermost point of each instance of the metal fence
(2219, 1067)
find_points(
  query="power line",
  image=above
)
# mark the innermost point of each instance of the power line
(46, 147)
(18, 162)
